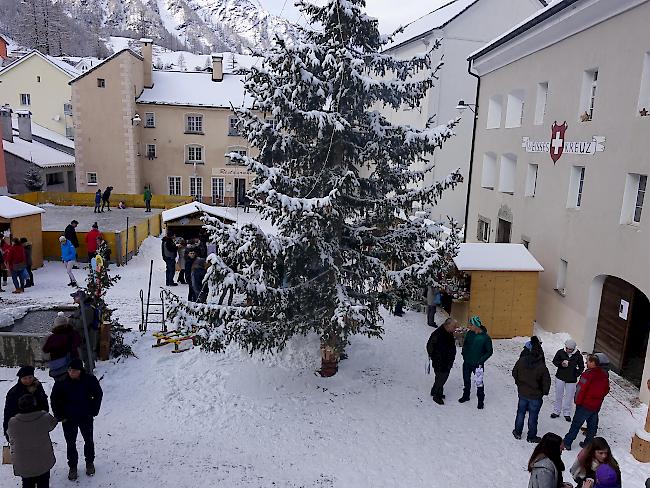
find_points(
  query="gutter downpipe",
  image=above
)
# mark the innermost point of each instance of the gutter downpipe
(471, 155)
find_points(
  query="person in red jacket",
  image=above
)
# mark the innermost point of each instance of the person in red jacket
(16, 261)
(91, 241)
(592, 389)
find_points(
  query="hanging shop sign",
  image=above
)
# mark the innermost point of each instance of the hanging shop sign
(558, 145)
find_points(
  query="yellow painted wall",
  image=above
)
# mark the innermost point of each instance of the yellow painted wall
(88, 199)
(47, 96)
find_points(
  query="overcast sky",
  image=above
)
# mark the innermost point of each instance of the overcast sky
(391, 13)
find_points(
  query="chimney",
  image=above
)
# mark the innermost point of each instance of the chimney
(147, 48)
(5, 120)
(24, 125)
(217, 67)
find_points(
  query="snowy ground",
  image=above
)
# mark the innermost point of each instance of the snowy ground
(57, 217)
(205, 420)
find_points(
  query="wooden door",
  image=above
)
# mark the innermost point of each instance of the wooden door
(503, 231)
(614, 320)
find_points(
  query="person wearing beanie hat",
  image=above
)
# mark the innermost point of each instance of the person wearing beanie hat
(91, 241)
(76, 400)
(477, 348)
(570, 365)
(26, 384)
(69, 257)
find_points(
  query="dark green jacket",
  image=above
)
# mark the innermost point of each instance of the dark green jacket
(477, 348)
(147, 194)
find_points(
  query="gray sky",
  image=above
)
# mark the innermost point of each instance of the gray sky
(391, 13)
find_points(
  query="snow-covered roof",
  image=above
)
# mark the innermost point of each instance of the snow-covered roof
(196, 90)
(10, 208)
(44, 133)
(435, 19)
(41, 155)
(56, 62)
(193, 208)
(495, 257)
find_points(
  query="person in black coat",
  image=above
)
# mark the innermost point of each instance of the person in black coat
(198, 273)
(26, 384)
(71, 234)
(441, 348)
(106, 198)
(169, 251)
(76, 400)
(570, 365)
(190, 257)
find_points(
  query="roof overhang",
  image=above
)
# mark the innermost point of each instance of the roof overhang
(487, 256)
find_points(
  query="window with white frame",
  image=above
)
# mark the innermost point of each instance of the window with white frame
(576, 187)
(194, 154)
(233, 126)
(643, 106)
(489, 171)
(149, 119)
(495, 109)
(540, 105)
(238, 150)
(194, 124)
(633, 198)
(196, 187)
(91, 178)
(588, 97)
(217, 190)
(515, 109)
(151, 151)
(174, 185)
(507, 173)
(25, 99)
(531, 180)
(560, 284)
(483, 229)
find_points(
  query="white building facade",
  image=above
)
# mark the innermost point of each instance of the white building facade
(463, 26)
(561, 162)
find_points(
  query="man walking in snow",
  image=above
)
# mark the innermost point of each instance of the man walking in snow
(147, 198)
(69, 257)
(533, 383)
(477, 348)
(570, 366)
(441, 348)
(592, 389)
(76, 400)
(106, 198)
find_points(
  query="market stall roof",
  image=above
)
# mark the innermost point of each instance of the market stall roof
(495, 257)
(10, 208)
(194, 208)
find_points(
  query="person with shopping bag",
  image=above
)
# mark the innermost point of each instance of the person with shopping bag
(477, 349)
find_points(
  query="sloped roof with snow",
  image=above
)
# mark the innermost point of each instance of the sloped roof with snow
(45, 133)
(56, 62)
(489, 256)
(41, 155)
(196, 90)
(10, 208)
(194, 208)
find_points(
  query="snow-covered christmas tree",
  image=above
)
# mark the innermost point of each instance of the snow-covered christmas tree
(336, 178)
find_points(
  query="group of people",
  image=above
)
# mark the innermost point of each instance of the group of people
(16, 260)
(96, 246)
(103, 200)
(190, 258)
(76, 399)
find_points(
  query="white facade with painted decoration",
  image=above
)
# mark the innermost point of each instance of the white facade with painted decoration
(560, 164)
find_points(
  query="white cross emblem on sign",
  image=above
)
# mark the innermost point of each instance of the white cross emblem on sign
(557, 143)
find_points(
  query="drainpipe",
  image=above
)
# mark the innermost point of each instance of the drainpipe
(471, 155)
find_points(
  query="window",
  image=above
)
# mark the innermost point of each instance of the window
(194, 154)
(633, 198)
(174, 185)
(507, 172)
(483, 230)
(576, 187)
(241, 151)
(644, 94)
(196, 187)
(540, 106)
(194, 124)
(69, 133)
(588, 98)
(531, 180)
(149, 119)
(67, 109)
(151, 151)
(25, 99)
(54, 178)
(91, 178)
(233, 126)
(217, 191)
(101, 83)
(494, 112)
(489, 171)
(515, 109)
(560, 285)
(504, 229)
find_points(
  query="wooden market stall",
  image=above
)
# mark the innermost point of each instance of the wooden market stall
(185, 220)
(503, 287)
(20, 219)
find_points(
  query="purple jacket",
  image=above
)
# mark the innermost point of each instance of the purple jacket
(606, 477)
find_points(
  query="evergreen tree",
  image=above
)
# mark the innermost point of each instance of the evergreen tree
(336, 178)
(33, 180)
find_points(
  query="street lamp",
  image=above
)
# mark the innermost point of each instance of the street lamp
(462, 106)
(135, 120)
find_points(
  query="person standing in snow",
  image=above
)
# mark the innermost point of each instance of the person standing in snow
(147, 198)
(27, 384)
(545, 465)
(69, 257)
(533, 383)
(198, 273)
(106, 198)
(91, 241)
(98, 201)
(190, 257)
(4, 269)
(76, 400)
(16, 261)
(28, 261)
(169, 253)
(477, 348)
(70, 233)
(85, 313)
(592, 389)
(570, 366)
(62, 346)
(441, 348)
(433, 301)
(182, 249)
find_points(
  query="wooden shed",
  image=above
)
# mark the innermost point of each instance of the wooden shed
(503, 287)
(185, 220)
(22, 219)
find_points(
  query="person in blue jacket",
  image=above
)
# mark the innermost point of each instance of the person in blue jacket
(69, 257)
(98, 201)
